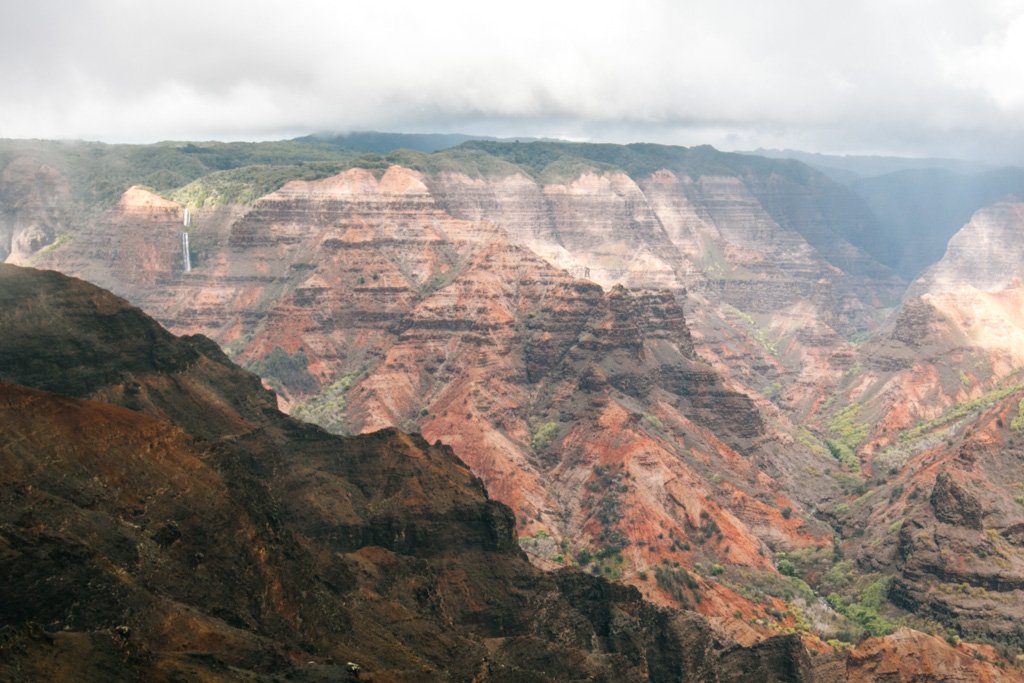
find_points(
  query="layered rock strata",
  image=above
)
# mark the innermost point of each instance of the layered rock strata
(367, 288)
(947, 528)
(138, 545)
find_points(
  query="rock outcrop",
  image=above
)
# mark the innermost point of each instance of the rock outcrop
(953, 504)
(907, 656)
(987, 253)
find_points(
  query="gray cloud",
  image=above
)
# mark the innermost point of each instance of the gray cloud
(896, 76)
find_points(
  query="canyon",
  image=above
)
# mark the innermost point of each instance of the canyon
(162, 520)
(672, 364)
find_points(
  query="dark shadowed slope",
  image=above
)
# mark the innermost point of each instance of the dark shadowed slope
(139, 546)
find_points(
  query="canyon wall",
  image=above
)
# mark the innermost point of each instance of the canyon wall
(434, 302)
(160, 520)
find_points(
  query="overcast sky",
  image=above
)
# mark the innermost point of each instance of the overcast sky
(907, 77)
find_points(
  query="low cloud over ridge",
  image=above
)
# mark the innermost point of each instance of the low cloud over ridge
(907, 77)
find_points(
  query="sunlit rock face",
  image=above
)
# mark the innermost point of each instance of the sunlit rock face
(986, 254)
(759, 243)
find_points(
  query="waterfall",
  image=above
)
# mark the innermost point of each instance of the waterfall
(184, 249)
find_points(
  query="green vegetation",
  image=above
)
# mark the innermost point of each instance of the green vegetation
(606, 561)
(637, 160)
(654, 421)
(708, 528)
(566, 170)
(962, 410)
(810, 561)
(757, 334)
(807, 438)
(849, 432)
(862, 609)
(247, 184)
(212, 173)
(610, 562)
(1017, 424)
(283, 371)
(841, 452)
(100, 173)
(759, 585)
(374, 141)
(327, 408)
(786, 567)
(678, 583)
(463, 159)
(61, 241)
(800, 622)
(543, 434)
(853, 371)
(859, 601)
(605, 503)
(771, 390)
(839, 577)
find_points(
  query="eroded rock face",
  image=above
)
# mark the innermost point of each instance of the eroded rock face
(433, 301)
(908, 655)
(53, 341)
(142, 546)
(769, 277)
(953, 504)
(580, 364)
(782, 658)
(948, 530)
(761, 242)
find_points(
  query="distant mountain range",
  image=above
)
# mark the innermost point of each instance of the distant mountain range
(845, 168)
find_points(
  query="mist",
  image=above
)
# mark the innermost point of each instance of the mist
(869, 77)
